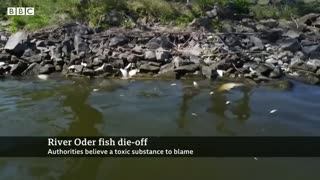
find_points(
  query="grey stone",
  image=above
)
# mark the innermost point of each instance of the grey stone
(264, 69)
(162, 54)
(276, 73)
(272, 35)
(17, 43)
(167, 71)
(157, 42)
(309, 50)
(315, 62)
(144, 68)
(307, 77)
(33, 69)
(257, 42)
(149, 55)
(177, 61)
(292, 45)
(271, 61)
(47, 69)
(118, 41)
(300, 65)
(271, 23)
(293, 34)
(4, 57)
(208, 72)
(191, 68)
(17, 69)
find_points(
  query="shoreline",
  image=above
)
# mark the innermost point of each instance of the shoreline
(262, 51)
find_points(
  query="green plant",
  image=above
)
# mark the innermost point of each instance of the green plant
(241, 6)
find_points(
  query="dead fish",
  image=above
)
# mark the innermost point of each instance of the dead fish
(211, 92)
(133, 72)
(43, 76)
(273, 111)
(173, 84)
(71, 67)
(194, 114)
(195, 84)
(124, 73)
(128, 66)
(101, 68)
(95, 90)
(228, 102)
(220, 72)
(229, 86)
(84, 64)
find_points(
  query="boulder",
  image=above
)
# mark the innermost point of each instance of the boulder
(272, 35)
(208, 72)
(191, 68)
(33, 69)
(162, 54)
(18, 68)
(118, 41)
(300, 65)
(257, 42)
(47, 69)
(145, 68)
(157, 42)
(270, 23)
(17, 43)
(290, 44)
(276, 73)
(149, 55)
(264, 69)
(5, 57)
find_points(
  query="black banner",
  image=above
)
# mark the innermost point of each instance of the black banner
(159, 146)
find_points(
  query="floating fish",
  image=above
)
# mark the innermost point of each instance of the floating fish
(43, 76)
(273, 111)
(229, 86)
(194, 114)
(71, 67)
(128, 66)
(133, 72)
(84, 64)
(211, 92)
(101, 68)
(173, 84)
(195, 84)
(255, 158)
(220, 72)
(228, 102)
(124, 73)
(95, 90)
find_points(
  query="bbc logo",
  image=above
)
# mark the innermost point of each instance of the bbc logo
(20, 11)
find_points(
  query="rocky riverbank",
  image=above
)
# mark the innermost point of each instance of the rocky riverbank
(259, 50)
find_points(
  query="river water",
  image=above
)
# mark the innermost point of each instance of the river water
(104, 107)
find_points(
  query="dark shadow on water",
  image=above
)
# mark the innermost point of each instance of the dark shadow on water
(239, 108)
(85, 116)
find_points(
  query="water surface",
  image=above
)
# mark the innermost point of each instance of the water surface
(163, 108)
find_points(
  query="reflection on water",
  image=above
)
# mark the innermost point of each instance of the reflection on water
(103, 107)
